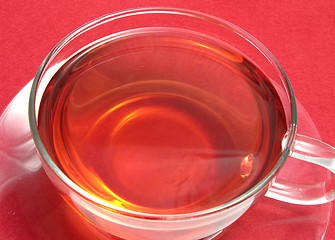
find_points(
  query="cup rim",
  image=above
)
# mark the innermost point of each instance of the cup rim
(287, 145)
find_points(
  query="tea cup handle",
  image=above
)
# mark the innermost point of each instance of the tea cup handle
(313, 151)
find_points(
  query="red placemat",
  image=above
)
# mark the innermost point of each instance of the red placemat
(299, 33)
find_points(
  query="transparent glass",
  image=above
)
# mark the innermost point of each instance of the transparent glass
(207, 223)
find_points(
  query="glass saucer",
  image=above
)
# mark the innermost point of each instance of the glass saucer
(31, 208)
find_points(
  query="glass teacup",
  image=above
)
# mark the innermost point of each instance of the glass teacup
(163, 123)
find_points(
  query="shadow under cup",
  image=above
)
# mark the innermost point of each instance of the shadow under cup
(161, 123)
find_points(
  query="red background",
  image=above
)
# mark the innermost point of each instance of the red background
(300, 33)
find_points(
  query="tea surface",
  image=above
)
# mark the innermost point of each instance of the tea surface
(162, 121)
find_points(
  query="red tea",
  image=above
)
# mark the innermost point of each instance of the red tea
(162, 121)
